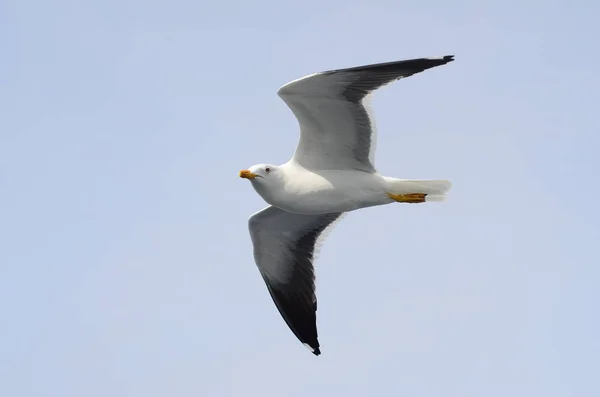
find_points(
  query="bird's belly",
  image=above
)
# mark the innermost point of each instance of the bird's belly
(342, 196)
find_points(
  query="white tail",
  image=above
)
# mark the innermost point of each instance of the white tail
(436, 190)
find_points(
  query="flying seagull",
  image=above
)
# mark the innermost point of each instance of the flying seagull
(331, 173)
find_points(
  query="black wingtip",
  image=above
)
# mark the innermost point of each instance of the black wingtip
(313, 347)
(441, 60)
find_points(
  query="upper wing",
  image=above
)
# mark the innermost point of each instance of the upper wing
(284, 249)
(336, 130)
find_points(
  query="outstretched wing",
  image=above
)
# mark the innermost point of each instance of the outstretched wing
(284, 249)
(336, 129)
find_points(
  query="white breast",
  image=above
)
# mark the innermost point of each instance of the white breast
(329, 191)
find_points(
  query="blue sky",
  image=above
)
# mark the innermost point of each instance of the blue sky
(125, 262)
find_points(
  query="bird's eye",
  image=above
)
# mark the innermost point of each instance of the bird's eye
(267, 170)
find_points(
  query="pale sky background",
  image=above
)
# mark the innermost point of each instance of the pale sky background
(126, 266)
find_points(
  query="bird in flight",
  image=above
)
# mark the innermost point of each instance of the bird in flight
(332, 172)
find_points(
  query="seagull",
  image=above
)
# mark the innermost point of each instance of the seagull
(331, 173)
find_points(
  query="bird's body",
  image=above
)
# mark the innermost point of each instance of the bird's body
(324, 191)
(332, 172)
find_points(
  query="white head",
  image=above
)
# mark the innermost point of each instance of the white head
(264, 177)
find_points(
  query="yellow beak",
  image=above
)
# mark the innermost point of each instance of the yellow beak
(246, 174)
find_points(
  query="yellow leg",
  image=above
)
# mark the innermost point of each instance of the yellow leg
(411, 198)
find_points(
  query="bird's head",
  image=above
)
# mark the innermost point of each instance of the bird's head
(261, 174)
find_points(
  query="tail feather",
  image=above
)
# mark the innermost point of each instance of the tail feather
(436, 190)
